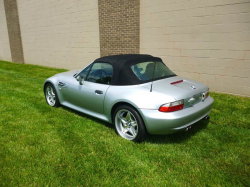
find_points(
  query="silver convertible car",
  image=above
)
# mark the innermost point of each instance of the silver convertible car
(139, 94)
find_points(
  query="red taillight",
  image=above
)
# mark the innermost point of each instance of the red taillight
(207, 94)
(176, 82)
(171, 107)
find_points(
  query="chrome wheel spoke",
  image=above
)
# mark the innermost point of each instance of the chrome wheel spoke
(51, 99)
(128, 117)
(123, 120)
(124, 125)
(125, 131)
(132, 131)
(133, 123)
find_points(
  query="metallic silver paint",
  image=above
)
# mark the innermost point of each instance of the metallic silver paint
(167, 123)
(83, 98)
(181, 90)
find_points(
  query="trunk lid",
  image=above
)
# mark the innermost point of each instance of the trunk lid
(182, 90)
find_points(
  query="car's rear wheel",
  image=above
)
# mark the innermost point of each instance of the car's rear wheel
(51, 95)
(128, 124)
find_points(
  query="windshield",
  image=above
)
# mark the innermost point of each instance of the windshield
(147, 71)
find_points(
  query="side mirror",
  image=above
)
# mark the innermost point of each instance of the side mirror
(80, 80)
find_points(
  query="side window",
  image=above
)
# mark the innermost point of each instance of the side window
(100, 73)
(84, 72)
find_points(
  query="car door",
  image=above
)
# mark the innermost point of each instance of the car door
(90, 95)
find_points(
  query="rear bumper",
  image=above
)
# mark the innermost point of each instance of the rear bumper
(166, 123)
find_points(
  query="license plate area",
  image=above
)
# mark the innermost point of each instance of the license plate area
(193, 100)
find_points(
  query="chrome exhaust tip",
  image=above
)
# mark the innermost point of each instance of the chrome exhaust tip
(188, 128)
(207, 117)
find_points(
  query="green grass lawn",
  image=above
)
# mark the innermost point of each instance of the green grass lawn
(45, 146)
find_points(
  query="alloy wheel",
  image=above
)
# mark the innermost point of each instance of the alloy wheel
(126, 124)
(50, 96)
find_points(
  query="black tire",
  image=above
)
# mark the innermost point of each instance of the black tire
(55, 96)
(140, 129)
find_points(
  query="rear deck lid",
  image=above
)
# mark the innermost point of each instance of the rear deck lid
(178, 87)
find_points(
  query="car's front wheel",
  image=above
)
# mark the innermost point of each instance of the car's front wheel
(51, 95)
(128, 123)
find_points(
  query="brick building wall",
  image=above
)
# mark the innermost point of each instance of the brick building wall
(208, 41)
(205, 40)
(4, 38)
(119, 26)
(63, 34)
(13, 26)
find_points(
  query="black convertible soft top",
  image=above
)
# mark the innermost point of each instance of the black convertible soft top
(122, 71)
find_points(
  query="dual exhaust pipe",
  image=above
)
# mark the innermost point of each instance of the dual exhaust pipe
(190, 127)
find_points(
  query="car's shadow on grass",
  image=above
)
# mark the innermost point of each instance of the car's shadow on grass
(106, 124)
(156, 139)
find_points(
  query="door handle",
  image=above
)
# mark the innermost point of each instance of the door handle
(99, 92)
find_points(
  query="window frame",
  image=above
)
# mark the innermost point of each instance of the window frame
(79, 74)
(92, 67)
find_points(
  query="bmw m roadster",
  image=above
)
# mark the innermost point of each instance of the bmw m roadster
(139, 94)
